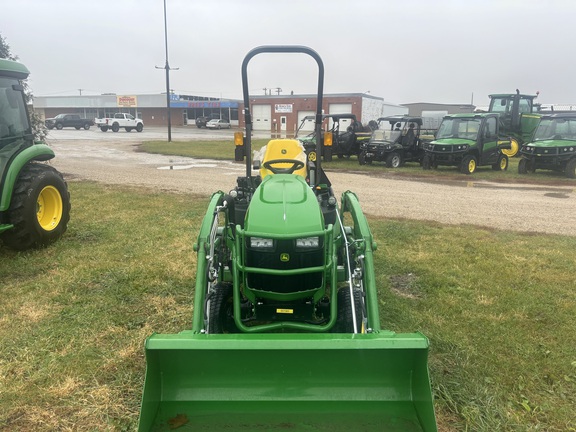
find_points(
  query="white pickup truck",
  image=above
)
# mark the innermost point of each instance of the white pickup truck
(120, 120)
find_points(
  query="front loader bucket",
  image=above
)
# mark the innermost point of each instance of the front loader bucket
(295, 382)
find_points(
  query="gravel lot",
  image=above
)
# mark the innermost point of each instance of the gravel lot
(114, 158)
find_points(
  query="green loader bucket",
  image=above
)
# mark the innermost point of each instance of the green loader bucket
(296, 382)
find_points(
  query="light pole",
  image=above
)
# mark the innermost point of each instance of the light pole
(167, 68)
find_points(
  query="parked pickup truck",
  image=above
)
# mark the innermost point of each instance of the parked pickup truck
(120, 120)
(68, 120)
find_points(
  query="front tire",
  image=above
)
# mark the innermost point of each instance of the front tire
(139, 127)
(59, 126)
(393, 160)
(426, 162)
(344, 320)
(40, 208)
(87, 126)
(220, 310)
(468, 165)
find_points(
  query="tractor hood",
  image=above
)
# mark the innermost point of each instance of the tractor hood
(449, 145)
(284, 204)
(552, 143)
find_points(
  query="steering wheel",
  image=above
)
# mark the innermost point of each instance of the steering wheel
(296, 165)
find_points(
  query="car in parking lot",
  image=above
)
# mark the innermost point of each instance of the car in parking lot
(218, 124)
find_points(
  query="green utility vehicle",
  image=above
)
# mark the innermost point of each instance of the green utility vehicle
(286, 331)
(467, 141)
(34, 198)
(519, 117)
(396, 145)
(553, 146)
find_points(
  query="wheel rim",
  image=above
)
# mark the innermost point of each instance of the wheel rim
(49, 208)
(471, 166)
(514, 147)
(503, 164)
(396, 161)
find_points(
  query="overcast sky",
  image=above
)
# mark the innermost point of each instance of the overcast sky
(445, 51)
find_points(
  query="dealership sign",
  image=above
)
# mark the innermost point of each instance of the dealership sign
(283, 108)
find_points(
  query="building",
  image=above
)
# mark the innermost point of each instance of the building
(150, 108)
(273, 113)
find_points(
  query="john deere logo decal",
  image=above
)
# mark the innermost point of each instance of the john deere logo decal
(284, 257)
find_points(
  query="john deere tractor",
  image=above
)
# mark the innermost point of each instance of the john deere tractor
(286, 332)
(34, 198)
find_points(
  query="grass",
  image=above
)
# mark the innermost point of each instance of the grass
(224, 150)
(498, 308)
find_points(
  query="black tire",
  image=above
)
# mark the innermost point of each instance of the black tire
(468, 164)
(344, 320)
(59, 126)
(77, 127)
(525, 166)
(50, 127)
(139, 127)
(87, 126)
(570, 169)
(40, 208)
(220, 310)
(128, 129)
(104, 128)
(393, 160)
(502, 164)
(115, 127)
(362, 158)
(426, 162)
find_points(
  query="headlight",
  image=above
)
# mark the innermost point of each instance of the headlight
(261, 243)
(463, 147)
(308, 242)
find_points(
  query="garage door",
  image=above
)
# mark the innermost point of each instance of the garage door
(308, 126)
(340, 109)
(261, 117)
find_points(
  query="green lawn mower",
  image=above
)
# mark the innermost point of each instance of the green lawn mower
(286, 331)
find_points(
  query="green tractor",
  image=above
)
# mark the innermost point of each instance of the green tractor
(34, 198)
(519, 117)
(286, 332)
(553, 146)
(467, 141)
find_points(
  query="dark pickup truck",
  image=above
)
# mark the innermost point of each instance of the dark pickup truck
(68, 120)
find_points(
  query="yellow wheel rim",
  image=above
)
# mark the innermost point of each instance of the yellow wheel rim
(514, 147)
(49, 208)
(472, 166)
(503, 163)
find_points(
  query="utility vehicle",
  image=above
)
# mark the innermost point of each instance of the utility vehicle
(395, 144)
(467, 141)
(286, 330)
(553, 146)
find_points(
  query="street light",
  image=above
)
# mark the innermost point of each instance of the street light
(167, 68)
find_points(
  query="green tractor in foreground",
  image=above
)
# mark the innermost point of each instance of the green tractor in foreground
(467, 141)
(286, 331)
(34, 198)
(553, 146)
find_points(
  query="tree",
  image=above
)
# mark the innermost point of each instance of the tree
(38, 127)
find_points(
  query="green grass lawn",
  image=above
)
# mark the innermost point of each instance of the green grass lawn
(498, 308)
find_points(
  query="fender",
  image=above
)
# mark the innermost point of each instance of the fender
(39, 152)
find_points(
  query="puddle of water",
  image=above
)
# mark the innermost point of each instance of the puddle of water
(556, 195)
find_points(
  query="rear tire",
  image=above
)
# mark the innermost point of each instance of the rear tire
(570, 169)
(514, 148)
(115, 127)
(77, 127)
(40, 208)
(220, 310)
(104, 128)
(344, 320)
(502, 164)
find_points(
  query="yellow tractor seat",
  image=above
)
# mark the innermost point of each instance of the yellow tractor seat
(283, 149)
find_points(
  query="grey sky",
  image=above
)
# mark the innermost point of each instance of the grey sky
(404, 51)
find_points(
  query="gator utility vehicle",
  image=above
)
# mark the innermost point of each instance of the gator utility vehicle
(34, 198)
(467, 141)
(396, 145)
(286, 332)
(344, 140)
(519, 117)
(553, 146)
